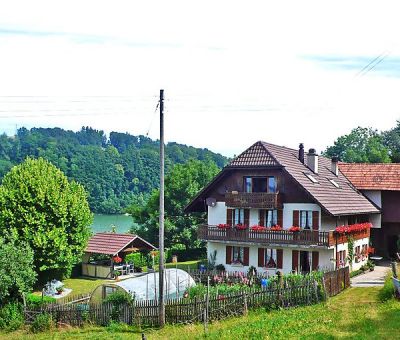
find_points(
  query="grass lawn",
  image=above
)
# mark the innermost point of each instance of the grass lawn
(356, 313)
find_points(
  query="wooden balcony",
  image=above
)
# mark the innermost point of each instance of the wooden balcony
(253, 200)
(267, 237)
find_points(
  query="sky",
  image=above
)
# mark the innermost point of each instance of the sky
(233, 72)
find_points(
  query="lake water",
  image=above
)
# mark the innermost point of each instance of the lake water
(103, 223)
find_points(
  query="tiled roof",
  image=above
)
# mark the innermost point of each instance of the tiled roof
(344, 200)
(109, 243)
(255, 155)
(372, 176)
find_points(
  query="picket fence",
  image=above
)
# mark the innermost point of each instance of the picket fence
(181, 310)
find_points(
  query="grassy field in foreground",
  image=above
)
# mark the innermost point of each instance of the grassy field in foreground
(356, 313)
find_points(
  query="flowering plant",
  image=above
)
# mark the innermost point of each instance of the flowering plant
(353, 228)
(258, 228)
(223, 226)
(117, 259)
(276, 227)
(294, 229)
(241, 226)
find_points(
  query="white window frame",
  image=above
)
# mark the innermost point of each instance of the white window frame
(270, 254)
(237, 255)
(305, 219)
(271, 217)
(238, 216)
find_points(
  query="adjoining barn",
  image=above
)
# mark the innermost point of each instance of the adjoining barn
(145, 287)
(105, 254)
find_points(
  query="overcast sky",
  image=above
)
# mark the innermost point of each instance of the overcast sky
(233, 72)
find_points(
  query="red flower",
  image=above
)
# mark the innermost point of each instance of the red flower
(223, 226)
(117, 259)
(276, 227)
(353, 228)
(241, 226)
(258, 228)
(371, 250)
(294, 229)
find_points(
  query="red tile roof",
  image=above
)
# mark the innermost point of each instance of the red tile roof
(372, 176)
(255, 155)
(110, 243)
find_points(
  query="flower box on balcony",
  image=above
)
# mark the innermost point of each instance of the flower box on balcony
(276, 228)
(224, 226)
(241, 226)
(294, 229)
(258, 228)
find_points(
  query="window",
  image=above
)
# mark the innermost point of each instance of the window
(237, 255)
(306, 219)
(311, 178)
(271, 218)
(270, 258)
(238, 216)
(341, 258)
(334, 183)
(260, 184)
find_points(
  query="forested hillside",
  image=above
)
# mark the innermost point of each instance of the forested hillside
(115, 171)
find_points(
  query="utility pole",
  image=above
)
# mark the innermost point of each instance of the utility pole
(161, 306)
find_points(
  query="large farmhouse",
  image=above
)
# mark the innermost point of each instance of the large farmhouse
(277, 208)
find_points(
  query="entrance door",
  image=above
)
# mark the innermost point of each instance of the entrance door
(305, 261)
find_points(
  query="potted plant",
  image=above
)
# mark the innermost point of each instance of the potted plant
(59, 290)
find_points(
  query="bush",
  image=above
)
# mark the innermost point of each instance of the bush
(137, 259)
(356, 272)
(220, 267)
(11, 317)
(387, 291)
(117, 299)
(36, 301)
(43, 322)
(189, 254)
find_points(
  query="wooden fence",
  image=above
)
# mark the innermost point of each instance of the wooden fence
(336, 281)
(181, 310)
(72, 299)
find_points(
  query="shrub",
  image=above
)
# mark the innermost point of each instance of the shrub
(387, 291)
(43, 322)
(11, 317)
(137, 259)
(38, 301)
(220, 267)
(356, 272)
(117, 299)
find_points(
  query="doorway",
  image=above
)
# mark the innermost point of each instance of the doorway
(305, 265)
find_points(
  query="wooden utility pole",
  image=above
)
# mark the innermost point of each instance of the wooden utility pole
(161, 306)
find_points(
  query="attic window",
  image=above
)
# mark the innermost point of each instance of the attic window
(311, 178)
(334, 183)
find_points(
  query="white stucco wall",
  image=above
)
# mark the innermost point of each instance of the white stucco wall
(344, 246)
(325, 257)
(374, 195)
(217, 214)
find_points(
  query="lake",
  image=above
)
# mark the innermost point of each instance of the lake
(102, 222)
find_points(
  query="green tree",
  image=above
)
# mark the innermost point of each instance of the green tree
(39, 206)
(391, 139)
(16, 270)
(181, 185)
(361, 145)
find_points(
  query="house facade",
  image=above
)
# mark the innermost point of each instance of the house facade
(381, 184)
(277, 208)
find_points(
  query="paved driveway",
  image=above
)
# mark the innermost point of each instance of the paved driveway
(375, 278)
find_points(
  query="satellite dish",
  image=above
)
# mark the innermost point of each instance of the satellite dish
(211, 201)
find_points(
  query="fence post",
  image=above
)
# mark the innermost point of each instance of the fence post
(245, 310)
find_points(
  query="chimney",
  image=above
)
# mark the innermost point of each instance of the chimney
(312, 160)
(335, 165)
(301, 153)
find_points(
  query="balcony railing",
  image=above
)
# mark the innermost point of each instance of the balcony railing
(267, 237)
(253, 200)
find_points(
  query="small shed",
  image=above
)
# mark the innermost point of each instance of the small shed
(112, 246)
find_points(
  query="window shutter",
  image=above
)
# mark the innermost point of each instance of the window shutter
(246, 256)
(246, 220)
(229, 216)
(279, 258)
(295, 260)
(261, 257)
(228, 254)
(261, 217)
(296, 218)
(280, 217)
(315, 220)
(315, 260)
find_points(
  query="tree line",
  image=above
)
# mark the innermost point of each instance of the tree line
(115, 170)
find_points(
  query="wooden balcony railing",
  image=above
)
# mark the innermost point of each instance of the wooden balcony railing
(255, 200)
(267, 237)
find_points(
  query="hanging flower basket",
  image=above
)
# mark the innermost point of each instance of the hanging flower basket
(117, 259)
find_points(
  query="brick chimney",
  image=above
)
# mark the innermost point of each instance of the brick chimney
(301, 153)
(312, 160)
(335, 165)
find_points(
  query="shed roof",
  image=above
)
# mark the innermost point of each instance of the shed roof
(112, 243)
(379, 176)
